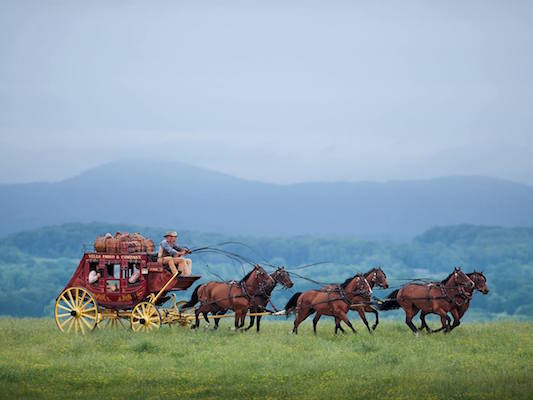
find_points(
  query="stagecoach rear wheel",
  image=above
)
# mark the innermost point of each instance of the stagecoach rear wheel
(76, 311)
(145, 317)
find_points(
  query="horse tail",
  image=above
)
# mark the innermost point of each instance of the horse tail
(291, 305)
(193, 300)
(390, 303)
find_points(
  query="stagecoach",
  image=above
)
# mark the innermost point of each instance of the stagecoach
(113, 301)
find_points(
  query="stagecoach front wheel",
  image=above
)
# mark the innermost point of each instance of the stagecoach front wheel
(76, 311)
(145, 317)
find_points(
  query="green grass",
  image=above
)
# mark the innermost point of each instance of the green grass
(491, 360)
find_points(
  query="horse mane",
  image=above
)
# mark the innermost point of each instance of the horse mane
(476, 272)
(347, 281)
(247, 276)
(448, 277)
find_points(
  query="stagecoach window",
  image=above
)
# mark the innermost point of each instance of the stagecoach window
(93, 265)
(113, 270)
(131, 268)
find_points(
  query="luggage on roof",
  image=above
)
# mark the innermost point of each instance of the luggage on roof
(123, 242)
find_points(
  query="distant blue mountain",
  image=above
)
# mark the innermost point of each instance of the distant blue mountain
(184, 197)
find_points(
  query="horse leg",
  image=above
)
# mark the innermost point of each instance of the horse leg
(443, 320)
(237, 319)
(197, 319)
(206, 319)
(409, 314)
(252, 320)
(338, 325)
(424, 323)
(300, 317)
(361, 312)
(456, 319)
(344, 317)
(315, 321)
(258, 322)
(373, 310)
(217, 320)
(243, 319)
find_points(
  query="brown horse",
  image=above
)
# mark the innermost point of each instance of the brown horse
(216, 297)
(260, 301)
(374, 277)
(335, 301)
(480, 284)
(438, 298)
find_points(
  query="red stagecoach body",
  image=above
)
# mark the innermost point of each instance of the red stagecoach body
(112, 290)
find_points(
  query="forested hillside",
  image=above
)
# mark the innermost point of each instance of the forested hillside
(35, 265)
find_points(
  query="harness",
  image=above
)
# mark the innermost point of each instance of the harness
(458, 300)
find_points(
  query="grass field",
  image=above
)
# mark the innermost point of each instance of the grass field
(493, 360)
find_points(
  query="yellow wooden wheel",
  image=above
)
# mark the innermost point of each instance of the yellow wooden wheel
(76, 311)
(145, 317)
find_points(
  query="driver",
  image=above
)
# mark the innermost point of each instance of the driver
(171, 254)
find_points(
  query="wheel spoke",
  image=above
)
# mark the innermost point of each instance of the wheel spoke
(76, 326)
(77, 297)
(59, 305)
(88, 310)
(71, 299)
(67, 302)
(89, 300)
(63, 315)
(82, 329)
(90, 326)
(61, 325)
(70, 325)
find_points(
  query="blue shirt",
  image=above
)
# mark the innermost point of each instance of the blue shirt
(170, 250)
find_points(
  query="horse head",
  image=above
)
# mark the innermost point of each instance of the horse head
(258, 278)
(376, 276)
(282, 276)
(358, 285)
(461, 279)
(480, 282)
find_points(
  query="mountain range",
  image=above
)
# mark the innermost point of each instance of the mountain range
(180, 196)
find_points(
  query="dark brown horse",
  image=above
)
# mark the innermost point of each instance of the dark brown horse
(480, 284)
(335, 301)
(216, 297)
(434, 297)
(374, 277)
(260, 302)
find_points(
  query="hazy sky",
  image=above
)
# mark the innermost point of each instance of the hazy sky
(278, 91)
